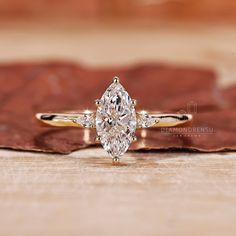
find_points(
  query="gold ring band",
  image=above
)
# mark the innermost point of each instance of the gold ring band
(80, 119)
(115, 119)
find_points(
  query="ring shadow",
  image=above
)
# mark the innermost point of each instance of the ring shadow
(139, 157)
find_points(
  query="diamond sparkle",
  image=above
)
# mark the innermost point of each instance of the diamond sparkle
(116, 120)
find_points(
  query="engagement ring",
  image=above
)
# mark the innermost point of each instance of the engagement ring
(115, 120)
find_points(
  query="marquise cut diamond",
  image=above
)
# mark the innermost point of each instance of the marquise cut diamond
(116, 120)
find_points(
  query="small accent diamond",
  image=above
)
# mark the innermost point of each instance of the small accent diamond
(146, 120)
(87, 119)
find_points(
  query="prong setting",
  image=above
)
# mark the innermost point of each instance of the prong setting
(134, 138)
(98, 139)
(98, 102)
(134, 102)
(115, 160)
(116, 80)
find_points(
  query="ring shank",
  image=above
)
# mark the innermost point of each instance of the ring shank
(156, 119)
(86, 119)
(170, 120)
(83, 119)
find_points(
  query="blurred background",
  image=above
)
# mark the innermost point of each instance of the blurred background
(118, 32)
(119, 9)
(55, 192)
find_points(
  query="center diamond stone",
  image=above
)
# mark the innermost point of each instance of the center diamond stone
(116, 120)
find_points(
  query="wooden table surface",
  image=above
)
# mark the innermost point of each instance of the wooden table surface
(151, 193)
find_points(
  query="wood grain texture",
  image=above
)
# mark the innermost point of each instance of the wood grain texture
(150, 194)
